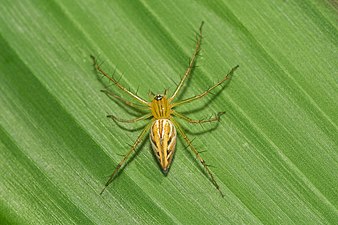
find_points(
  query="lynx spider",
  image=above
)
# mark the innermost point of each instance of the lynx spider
(162, 125)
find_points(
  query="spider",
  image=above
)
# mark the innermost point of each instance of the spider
(163, 127)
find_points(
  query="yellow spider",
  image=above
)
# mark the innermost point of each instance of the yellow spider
(162, 125)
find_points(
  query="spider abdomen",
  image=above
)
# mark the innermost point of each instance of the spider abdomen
(163, 142)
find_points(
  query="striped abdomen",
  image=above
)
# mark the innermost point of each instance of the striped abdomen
(163, 142)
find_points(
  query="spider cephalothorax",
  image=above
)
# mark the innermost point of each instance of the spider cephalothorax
(160, 107)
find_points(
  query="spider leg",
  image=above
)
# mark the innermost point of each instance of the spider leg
(198, 156)
(146, 116)
(126, 157)
(131, 104)
(189, 120)
(191, 62)
(227, 77)
(98, 68)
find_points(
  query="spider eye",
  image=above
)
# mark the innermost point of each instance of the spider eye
(158, 97)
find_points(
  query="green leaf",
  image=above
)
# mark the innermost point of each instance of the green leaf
(274, 153)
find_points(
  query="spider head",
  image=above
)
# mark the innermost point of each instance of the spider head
(158, 97)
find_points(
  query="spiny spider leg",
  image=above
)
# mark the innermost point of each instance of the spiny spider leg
(191, 63)
(131, 104)
(198, 156)
(189, 120)
(126, 157)
(207, 91)
(132, 120)
(97, 66)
